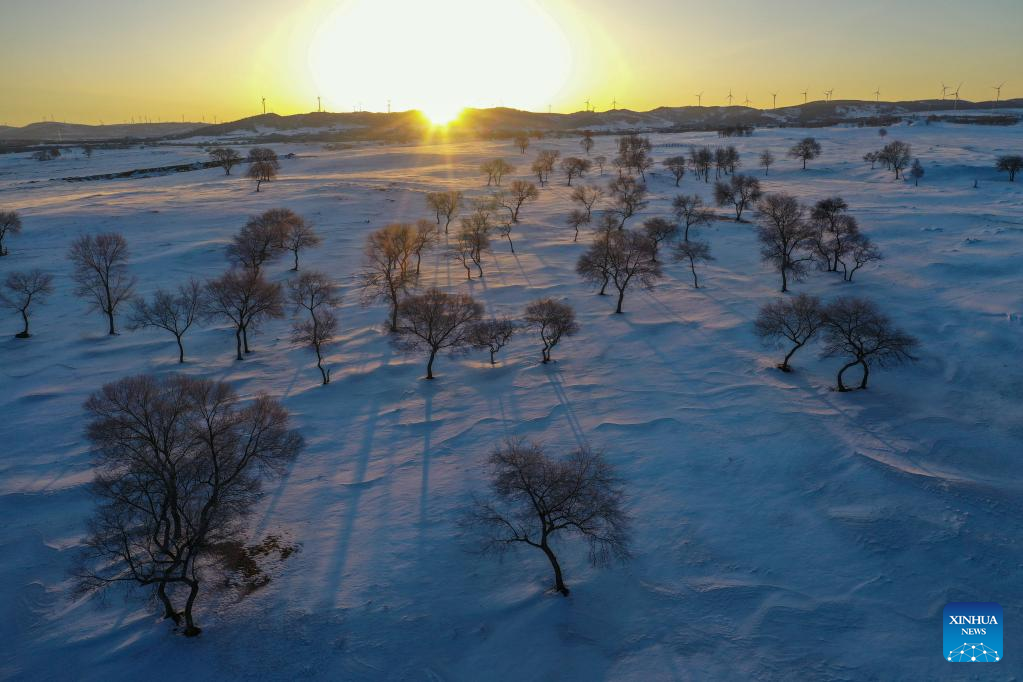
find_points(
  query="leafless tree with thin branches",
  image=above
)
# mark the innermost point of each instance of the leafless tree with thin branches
(436, 321)
(796, 320)
(225, 158)
(387, 273)
(22, 289)
(174, 312)
(101, 274)
(784, 236)
(316, 294)
(692, 252)
(519, 192)
(856, 329)
(492, 335)
(587, 197)
(552, 320)
(246, 299)
(446, 205)
(10, 224)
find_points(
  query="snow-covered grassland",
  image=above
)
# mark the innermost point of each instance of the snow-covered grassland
(782, 530)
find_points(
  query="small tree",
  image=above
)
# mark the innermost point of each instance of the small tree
(587, 197)
(573, 167)
(794, 319)
(225, 158)
(576, 219)
(436, 321)
(245, 299)
(316, 294)
(10, 224)
(587, 142)
(495, 170)
(1011, 164)
(659, 230)
(833, 231)
(522, 142)
(519, 193)
(766, 159)
(536, 498)
(263, 165)
(594, 265)
(630, 257)
(690, 212)
(676, 165)
(22, 289)
(387, 273)
(172, 312)
(446, 205)
(178, 466)
(544, 164)
(693, 252)
(872, 158)
(701, 160)
(491, 335)
(896, 156)
(262, 238)
(856, 329)
(101, 272)
(424, 238)
(806, 149)
(861, 251)
(300, 235)
(600, 162)
(882, 132)
(474, 238)
(628, 197)
(552, 320)
(783, 234)
(740, 191)
(916, 172)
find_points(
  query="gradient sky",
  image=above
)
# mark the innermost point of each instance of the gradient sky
(112, 60)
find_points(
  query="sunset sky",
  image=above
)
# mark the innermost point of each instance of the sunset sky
(112, 60)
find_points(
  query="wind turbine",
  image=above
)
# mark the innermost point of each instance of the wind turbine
(877, 95)
(699, 99)
(804, 96)
(747, 102)
(827, 93)
(998, 91)
(944, 90)
(319, 104)
(729, 97)
(587, 104)
(614, 104)
(774, 98)
(264, 105)
(956, 93)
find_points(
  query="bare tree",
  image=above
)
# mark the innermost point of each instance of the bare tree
(783, 234)
(317, 294)
(537, 498)
(300, 235)
(22, 289)
(676, 165)
(10, 224)
(794, 319)
(446, 205)
(860, 252)
(179, 464)
(701, 160)
(600, 162)
(587, 197)
(630, 257)
(225, 158)
(474, 238)
(245, 299)
(806, 149)
(101, 272)
(263, 165)
(519, 192)
(740, 191)
(387, 273)
(896, 156)
(872, 157)
(1009, 163)
(495, 170)
(424, 238)
(690, 212)
(659, 230)
(594, 265)
(693, 252)
(262, 238)
(854, 327)
(766, 159)
(522, 142)
(576, 219)
(587, 142)
(916, 171)
(833, 231)
(492, 335)
(544, 164)
(628, 197)
(174, 312)
(573, 166)
(552, 320)
(436, 321)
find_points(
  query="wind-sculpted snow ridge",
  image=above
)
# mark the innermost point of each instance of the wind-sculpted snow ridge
(782, 530)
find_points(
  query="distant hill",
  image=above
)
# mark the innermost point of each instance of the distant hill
(327, 126)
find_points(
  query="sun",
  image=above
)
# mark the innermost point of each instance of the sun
(438, 57)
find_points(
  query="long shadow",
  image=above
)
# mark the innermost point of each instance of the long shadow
(557, 383)
(424, 484)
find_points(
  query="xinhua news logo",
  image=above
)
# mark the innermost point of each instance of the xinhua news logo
(972, 632)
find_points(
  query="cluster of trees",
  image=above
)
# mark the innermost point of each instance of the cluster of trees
(852, 328)
(792, 237)
(543, 166)
(495, 170)
(47, 154)
(634, 155)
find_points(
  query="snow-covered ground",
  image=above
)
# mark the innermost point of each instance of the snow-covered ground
(782, 530)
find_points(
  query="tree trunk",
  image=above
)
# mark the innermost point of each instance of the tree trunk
(238, 342)
(190, 628)
(110, 320)
(429, 365)
(603, 288)
(492, 361)
(866, 374)
(559, 583)
(804, 163)
(784, 366)
(168, 608)
(181, 349)
(295, 269)
(784, 279)
(245, 338)
(24, 333)
(841, 386)
(696, 282)
(621, 297)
